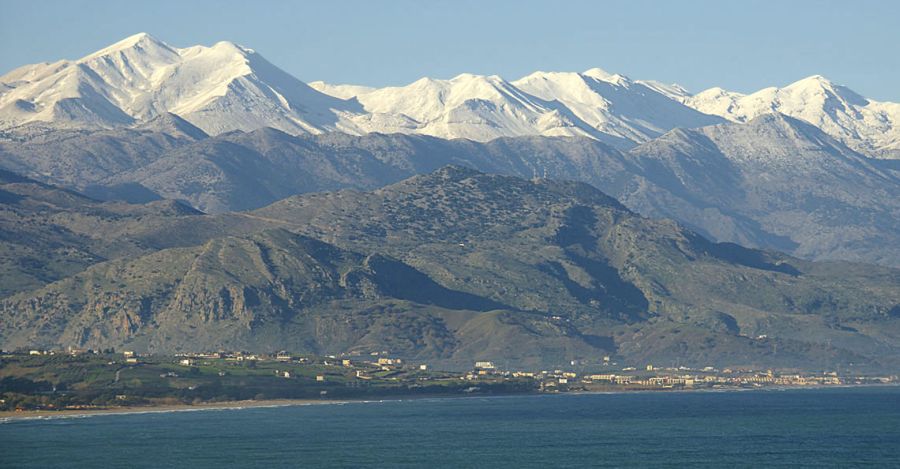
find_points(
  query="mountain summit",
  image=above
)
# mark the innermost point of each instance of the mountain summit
(227, 87)
(218, 89)
(865, 125)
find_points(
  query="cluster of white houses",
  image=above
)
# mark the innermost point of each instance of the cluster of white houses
(652, 377)
(647, 376)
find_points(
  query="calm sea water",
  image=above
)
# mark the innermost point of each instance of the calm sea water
(796, 428)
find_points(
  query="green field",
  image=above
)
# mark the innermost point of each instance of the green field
(105, 380)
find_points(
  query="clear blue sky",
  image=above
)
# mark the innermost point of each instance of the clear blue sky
(740, 45)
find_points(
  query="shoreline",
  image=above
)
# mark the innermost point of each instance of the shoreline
(9, 416)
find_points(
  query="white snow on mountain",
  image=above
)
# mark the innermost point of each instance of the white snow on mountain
(340, 91)
(596, 104)
(219, 88)
(468, 106)
(227, 87)
(614, 104)
(863, 124)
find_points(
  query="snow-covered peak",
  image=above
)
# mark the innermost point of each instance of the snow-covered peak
(465, 77)
(228, 45)
(27, 73)
(672, 90)
(865, 125)
(476, 83)
(716, 92)
(603, 75)
(613, 105)
(142, 42)
(427, 98)
(716, 101)
(817, 81)
(227, 86)
(476, 107)
(823, 88)
(815, 85)
(469, 86)
(340, 91)
(565, 87)
(218, 88)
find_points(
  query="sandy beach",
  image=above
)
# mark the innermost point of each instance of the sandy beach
(48, 414)
(33, 414)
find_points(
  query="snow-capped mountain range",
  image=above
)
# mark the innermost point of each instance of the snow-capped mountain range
(219, 88)
(868, 126)
(228, 87)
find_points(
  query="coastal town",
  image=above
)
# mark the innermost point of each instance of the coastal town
(87, 379)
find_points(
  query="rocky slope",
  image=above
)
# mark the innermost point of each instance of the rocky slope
(48, 233)
(247, 170)
(458, 265)
(774, 182)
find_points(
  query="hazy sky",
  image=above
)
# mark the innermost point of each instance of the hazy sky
(740, 45)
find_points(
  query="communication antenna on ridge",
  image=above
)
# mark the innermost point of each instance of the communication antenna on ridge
(534, 174)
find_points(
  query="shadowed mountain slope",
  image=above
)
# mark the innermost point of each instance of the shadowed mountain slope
(494, 267)
(774, 182)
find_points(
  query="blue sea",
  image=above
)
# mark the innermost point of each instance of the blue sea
(839, 427)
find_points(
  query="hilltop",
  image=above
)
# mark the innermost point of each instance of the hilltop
(458, 265)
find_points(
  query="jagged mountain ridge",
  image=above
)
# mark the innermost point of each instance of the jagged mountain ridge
(458, 265)
(228, 87)
(594, 104)
(247, 170)
(865, 125)
(271, 289)
(218, 89)
(774, 182)
(47, 233)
